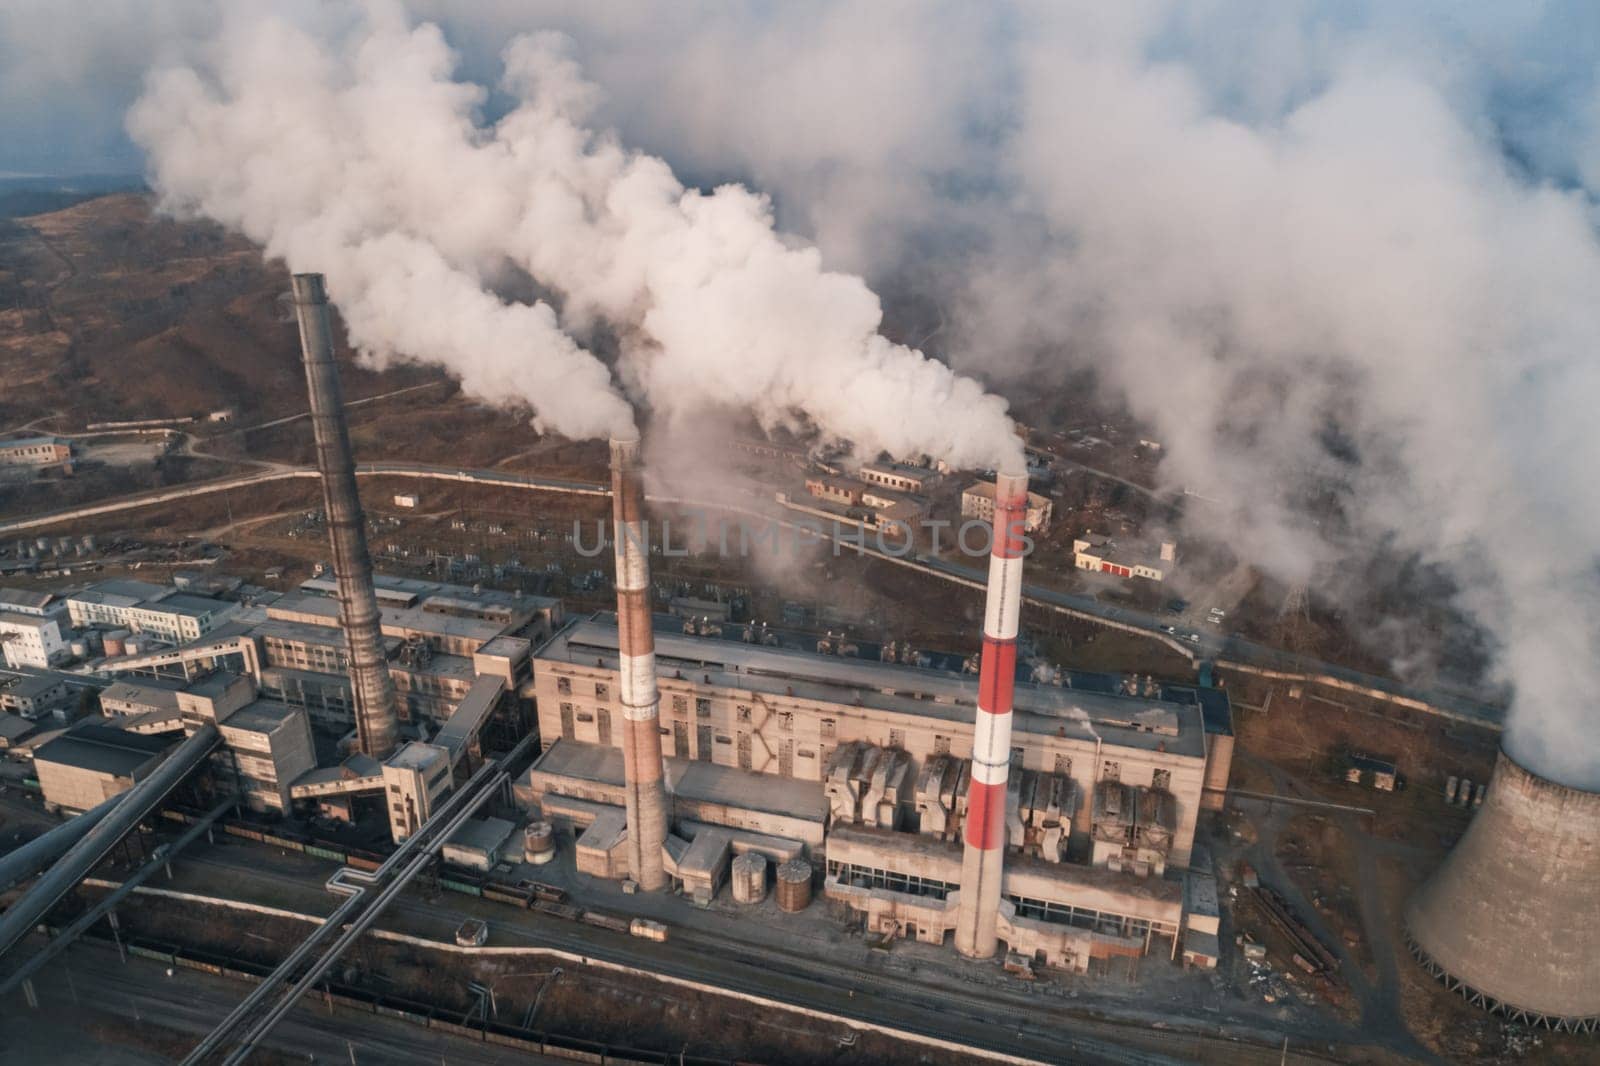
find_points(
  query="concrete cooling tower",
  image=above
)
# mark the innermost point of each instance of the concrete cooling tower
(1511, 920)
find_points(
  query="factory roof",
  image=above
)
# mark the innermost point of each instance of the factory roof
(262, 716)
(29, 442)
(13, 727)
(20, 619)
(28, 684)
(900, 470)
(986, 489)
(213, 684)
(121, 592)
(25, 598)
(691, 779)
(147, 692)
(481, 834)
(1128, 721)
(102, 749)
(506, 646)
(399, 589)
(185, 603)
(417, 756)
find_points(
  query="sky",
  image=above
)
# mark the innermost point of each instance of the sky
(1336, 244)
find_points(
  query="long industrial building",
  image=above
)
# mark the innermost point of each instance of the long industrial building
(865, 767)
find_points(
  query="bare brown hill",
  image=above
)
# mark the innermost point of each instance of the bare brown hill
(109, 311)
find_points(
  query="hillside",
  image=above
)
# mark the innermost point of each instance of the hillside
(108, 311)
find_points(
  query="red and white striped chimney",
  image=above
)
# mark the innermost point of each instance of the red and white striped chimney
(985, 826)
(643, 786)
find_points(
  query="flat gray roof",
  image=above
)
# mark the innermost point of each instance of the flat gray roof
(1040, 709)
(37, 601)
(262, 716)
(482, 834)
(692, 779)
(102, 749)
(149, 693)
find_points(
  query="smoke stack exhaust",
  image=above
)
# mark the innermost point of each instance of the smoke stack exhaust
(377, 721)
(985, 829)
(641, 745)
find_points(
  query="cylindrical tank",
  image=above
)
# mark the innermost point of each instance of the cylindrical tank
(750, 878)
(794, 885)
(1464, 796)
(539, 843)
(1477, 796)
(1450, 787)
(1511, 920)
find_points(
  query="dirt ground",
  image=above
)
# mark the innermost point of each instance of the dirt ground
(584, 1002)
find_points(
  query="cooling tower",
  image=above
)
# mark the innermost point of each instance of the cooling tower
(377, 720)
(643, 789)
(1511, 920)
(978, 910)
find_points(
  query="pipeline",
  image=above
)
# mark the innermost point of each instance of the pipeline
(22, 863)
(132, 808)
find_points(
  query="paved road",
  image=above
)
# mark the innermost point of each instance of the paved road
(92, 981)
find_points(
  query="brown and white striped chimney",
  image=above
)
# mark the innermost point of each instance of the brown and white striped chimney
(643, 783)
(376, 705)
(985, 828)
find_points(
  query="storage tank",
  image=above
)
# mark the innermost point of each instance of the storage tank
(1511, 920)
(539, 843)
(79, 648)
(1450, 787)
(131, 645)
(794, 885)
(116, 643)
(750, 878)
(1464, 796)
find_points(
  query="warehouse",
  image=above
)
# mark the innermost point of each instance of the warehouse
(91, 763)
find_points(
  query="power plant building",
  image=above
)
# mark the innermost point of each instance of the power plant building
(865, 767)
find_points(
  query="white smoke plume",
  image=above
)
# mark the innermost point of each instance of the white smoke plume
(1255, 222)
(354, 152)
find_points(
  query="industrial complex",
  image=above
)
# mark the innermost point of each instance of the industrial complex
(1056, 821)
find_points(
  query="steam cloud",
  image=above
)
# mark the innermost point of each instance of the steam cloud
(355, 153)
(1256, 223)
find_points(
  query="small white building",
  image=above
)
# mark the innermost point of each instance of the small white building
(1103, 555)
(158, 610)
(407, 500)
(36, 452)
(977, 501)
(31, 633)
(29, 641)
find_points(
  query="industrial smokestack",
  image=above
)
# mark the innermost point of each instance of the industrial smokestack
(641, 745)
(377, 721)
(985, 831)
(1511, 920)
